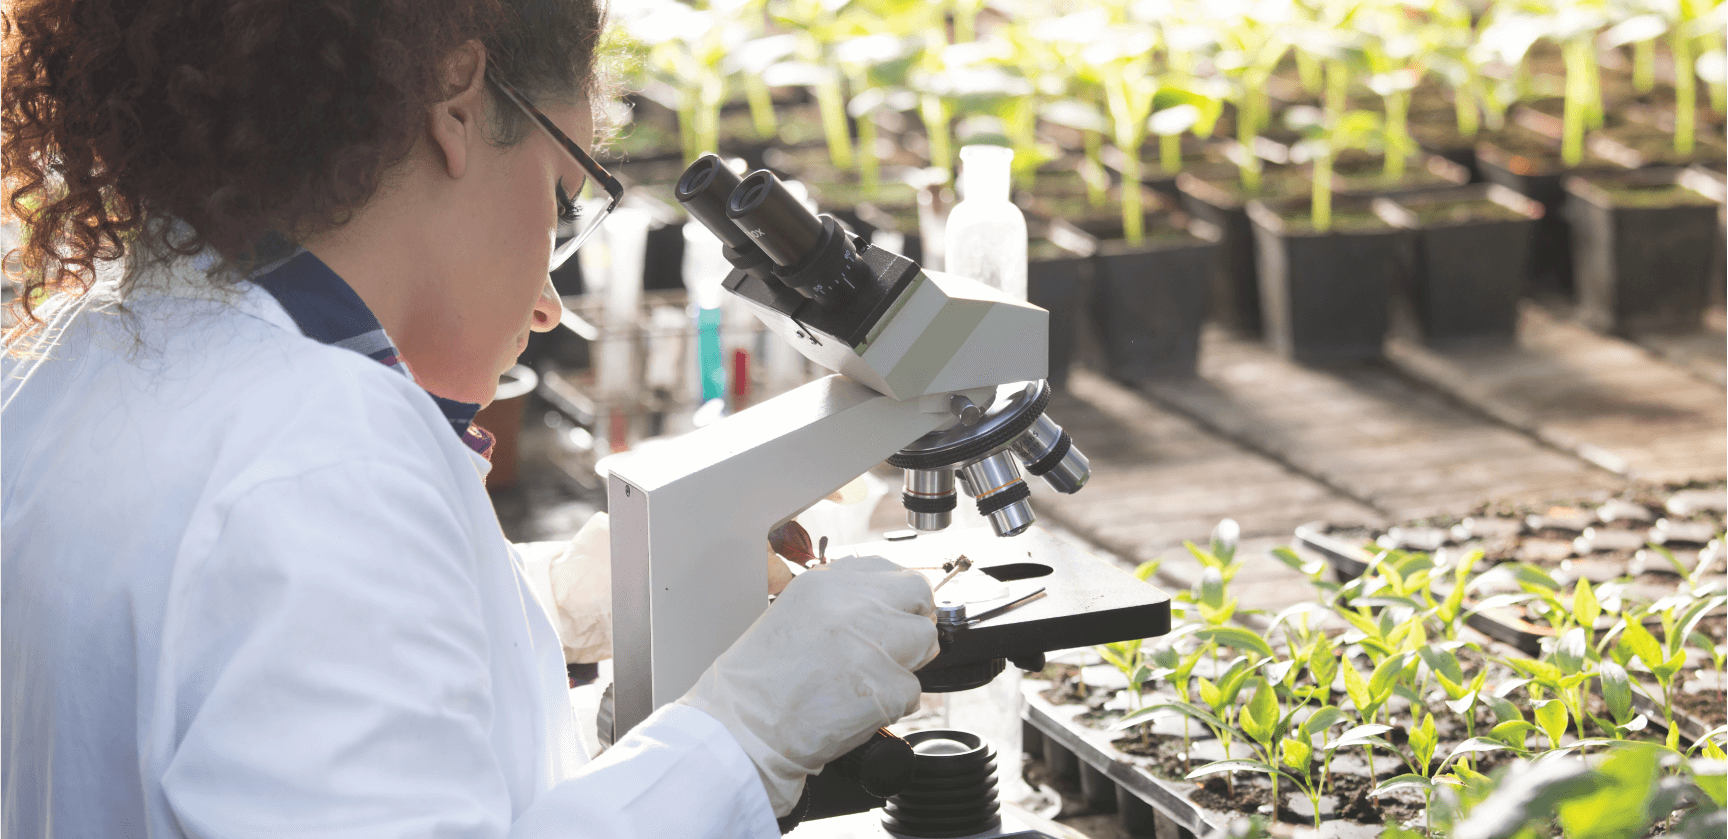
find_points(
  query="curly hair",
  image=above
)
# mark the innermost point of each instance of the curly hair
(236, 117)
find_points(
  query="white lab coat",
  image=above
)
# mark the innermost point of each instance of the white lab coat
(253, 586)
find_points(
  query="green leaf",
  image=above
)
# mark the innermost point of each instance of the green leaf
(1169, 709)
(1461, 705)
(1443, 663)
(1666, 670)
(1357, 688)
(1322, 663)
(1148, 569)
(1616, 691)
(1620, 808)
(1512, 733)
(1237, 638)
(1297, 754)
(1477, 745)
(1236, 765)
(1322, 719)
(1551, 715)
(1210, 694)
(1570, 651)
(1228, 534)
(1259, 717)
(1709, 776)
(1366, 733)
(1504, 710)
(1689, 621)
(1643, 644)
(1584, 604)
(1209, 590)
(1423, 739)
(1386, 674)
(1405, 781)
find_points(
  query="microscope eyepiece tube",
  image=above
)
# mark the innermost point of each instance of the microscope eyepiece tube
(929, 499)
(771, 216)
(703, 190)
(1002, 497)
(1050, 453)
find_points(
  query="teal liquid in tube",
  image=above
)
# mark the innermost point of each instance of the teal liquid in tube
(710, 367)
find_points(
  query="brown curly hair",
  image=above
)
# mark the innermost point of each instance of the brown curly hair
(237, 117)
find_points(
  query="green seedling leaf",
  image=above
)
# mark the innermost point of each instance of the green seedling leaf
(1322, 719)
(1209, 591)
(1584, 604)
(1689, 621)
(1570, 651)
(1209, 693)
(1637, 723)
(1504, 710)
(1445, 665)
(1228, 534)
(1147, 570)
(1551, 716)
(1238, 638)
(1282, 672)
(1236, 765)
(1619, 809)
(1666, 670)
(1512, 733)
(1322, 664)
(1527, 797)
(1643, 644)
(1478, 745)
(1297, 754)
(1310, 568)
(1405, 781)
(1711, 776)
(1616, 691)
(1259, 717)
(1386, 675)
(1357, 688)
(1360, 735)
(1423, 739)
(1461, 705)
(1170, 709)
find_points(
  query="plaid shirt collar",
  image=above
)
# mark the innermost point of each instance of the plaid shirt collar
(328, 311)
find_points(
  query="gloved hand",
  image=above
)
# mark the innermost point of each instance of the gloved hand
(573, 581)
(826, 665)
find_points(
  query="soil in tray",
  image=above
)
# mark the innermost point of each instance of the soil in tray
(1342, 222)
(1464, 212)
(1652, 195)
(1705, 705)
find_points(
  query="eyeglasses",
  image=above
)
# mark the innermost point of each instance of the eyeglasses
(567, 210)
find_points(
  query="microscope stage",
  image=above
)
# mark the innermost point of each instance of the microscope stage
(1086, 600)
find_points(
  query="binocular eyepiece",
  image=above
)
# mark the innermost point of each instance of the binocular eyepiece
(812, 254)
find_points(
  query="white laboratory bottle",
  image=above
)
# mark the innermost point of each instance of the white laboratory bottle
(986, 235)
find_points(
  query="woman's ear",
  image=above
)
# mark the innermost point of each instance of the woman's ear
(457, 122)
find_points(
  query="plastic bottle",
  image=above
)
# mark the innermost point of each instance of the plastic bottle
(986, 235)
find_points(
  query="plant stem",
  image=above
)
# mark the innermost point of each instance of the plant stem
(1644, 66)
(1469, 122)
(1685, 91)
(869, 166)
(1572, 137)
(1170, 153)
(1133, 210)
(935, 114)
(1320, 205)
(1247, 128)
(1094, 151)
(1397, 117)
(831, 102)
(761, 106)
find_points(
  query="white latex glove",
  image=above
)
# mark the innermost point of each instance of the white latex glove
(573, 581)
(825, 666)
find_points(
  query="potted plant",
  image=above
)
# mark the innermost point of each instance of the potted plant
(1642, 247)
(1465, 270)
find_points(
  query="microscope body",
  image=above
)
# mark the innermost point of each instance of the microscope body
(938, 374)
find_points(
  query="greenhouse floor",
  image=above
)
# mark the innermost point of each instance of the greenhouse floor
(1565, 415)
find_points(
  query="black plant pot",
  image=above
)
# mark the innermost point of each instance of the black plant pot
(1325, 297)
(1528, 162)
(1234, 294)
(1149, 299)
(1711, 182)
(1057, 277)
(1642, 246)
(1465, 268)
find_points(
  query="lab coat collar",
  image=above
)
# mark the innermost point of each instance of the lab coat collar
(326, 309)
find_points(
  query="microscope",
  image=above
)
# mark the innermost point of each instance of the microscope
(938, 375)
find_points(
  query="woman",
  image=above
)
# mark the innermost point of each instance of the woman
(278, 254)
